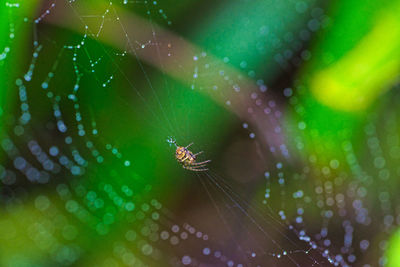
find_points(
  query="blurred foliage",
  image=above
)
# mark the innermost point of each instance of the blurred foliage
(336, 70)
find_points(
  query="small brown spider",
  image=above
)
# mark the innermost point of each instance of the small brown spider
(187, 159)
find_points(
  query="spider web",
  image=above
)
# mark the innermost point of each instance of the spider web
(84, 144)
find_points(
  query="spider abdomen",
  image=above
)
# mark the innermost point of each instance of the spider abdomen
(185, 156)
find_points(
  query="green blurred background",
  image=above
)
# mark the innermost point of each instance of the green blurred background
(287, 98)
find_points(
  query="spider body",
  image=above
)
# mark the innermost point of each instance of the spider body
(184, 156)
(188, 159)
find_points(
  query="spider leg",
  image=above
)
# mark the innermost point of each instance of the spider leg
(194, 169)
(189, 145)
(197, 166)
(199, 170)
(200, 163)
(198, 153)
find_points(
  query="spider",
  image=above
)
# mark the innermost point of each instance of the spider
(187, 159)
